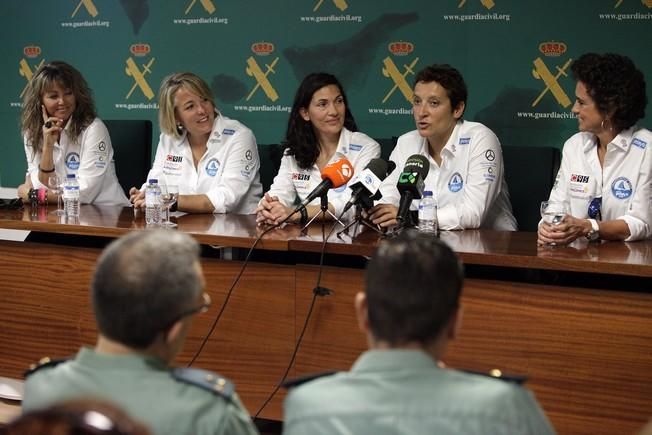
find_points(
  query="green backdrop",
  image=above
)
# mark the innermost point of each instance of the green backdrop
(514, 55)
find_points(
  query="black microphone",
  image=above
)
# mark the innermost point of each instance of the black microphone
(411, 183)
(364, 189)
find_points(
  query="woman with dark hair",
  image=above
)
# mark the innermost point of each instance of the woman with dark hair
(606, 169)
(63, 136)
(320, 130)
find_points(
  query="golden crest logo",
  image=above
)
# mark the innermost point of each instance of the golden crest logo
(139, 75)
(647, 3)
(339, 4)
(400, 49)
(551, 81)
(206, 4)
(88, 5)
(262, 49)
(489, 4)
(31, 52)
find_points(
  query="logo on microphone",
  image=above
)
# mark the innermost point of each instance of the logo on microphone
(408, 178)
(31, 52)
(139, 74)
(346, 170)
(399, 49)
(261, 77)
(551, 83)
(489, 4)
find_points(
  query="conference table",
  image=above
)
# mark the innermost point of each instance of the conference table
(576, 320)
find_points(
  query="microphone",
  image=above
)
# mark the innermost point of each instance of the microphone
(411, 183)
(334, 175)
(366, 185)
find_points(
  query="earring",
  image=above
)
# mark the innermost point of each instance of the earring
(602, 124)
(179, 128)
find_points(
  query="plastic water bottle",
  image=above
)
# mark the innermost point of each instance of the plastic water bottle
(71, 196)
(427, 213)
(153, 202)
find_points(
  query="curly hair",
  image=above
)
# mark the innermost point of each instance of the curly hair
(449, 78)
(31, 119)
(616, 86)
(300, 138)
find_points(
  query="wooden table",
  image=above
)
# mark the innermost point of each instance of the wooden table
(577, 320)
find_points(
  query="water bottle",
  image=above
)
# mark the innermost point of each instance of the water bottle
(427, 213)
(153, 202)
(71, 196)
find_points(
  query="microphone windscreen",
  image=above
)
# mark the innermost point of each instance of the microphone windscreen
(390, 167)
(418, 164)
(378, 167)
(338, 172)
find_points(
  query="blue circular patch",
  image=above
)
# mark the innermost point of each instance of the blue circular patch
(456, 183)
(212, 166)
(72, 161)
(621, 188)
(341, 188)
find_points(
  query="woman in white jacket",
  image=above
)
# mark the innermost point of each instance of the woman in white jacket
(320, 130)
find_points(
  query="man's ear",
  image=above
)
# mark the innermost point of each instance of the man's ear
(174, 332)
(362, 312)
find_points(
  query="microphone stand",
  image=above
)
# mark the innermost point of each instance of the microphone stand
(357, 221)
(324, 211)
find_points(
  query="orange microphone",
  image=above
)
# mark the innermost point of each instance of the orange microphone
(334, 175)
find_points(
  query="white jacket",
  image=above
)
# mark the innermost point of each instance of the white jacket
(624, 183)
(227, 173)
(293, 184)
(469, 187)
(90, 159)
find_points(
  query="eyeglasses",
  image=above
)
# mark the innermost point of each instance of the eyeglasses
(594, 208)
(206, 304)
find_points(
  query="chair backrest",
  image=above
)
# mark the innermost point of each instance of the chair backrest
(270, 161)
(530, 173)
(132, 150)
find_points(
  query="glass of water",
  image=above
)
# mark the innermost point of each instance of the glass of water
(55, 183)
(169, 195)
(553, 212)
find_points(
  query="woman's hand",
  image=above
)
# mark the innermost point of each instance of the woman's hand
(52, 127)
(271, 211)
(563, 233)
(136, 197)
(23, 189)
(383, 215)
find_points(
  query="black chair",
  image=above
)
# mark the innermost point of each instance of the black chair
(387, 145)
(270, 161)
(530, 173)
(132, 150)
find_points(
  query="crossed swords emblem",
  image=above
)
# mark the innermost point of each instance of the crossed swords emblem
(486, 3)
(647, 3)
(541, 72)
(262, 81)
(90, 8)
(390, 70)
(207, 4)
(340, 4)
(26, 72)
(139, 77)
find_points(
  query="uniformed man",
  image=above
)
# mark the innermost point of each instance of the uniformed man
(410, 310)
(146, 288)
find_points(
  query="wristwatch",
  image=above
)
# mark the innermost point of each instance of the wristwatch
(594, 234)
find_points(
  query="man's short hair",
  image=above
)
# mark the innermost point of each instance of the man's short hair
(414, 284)
(143, 282)
(448, 78)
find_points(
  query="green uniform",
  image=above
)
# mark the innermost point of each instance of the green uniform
(404, 392)
(181, 401)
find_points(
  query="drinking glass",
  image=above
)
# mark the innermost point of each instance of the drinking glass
(553, 212)
(169, 195)
(55, 183)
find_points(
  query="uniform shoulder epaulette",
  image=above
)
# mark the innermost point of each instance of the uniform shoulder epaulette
(295, 382)
(43, 363)
(498, 374)
(205, 380)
